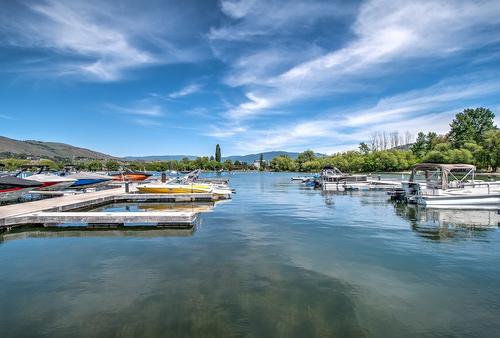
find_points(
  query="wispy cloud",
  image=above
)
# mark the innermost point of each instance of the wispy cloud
(187, 90)
(5, 117)
(94, 40)
(147, 122)
(428, 109)
(152, 111)
(387, 34)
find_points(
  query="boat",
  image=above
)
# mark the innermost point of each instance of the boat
(174, 188)
(12, 188)
(331, 178)
(188, 184)
(300, 178)
(449, 185)
(50, 182)
(130, 175)
(85, 180)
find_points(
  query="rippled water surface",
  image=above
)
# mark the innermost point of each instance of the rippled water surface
(279, 260)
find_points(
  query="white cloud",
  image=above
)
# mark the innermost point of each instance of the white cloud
(387, 33)
(5, 117)
(256, 18)
(152, 111)
(187, 90)
(95, 40)
(429, 109)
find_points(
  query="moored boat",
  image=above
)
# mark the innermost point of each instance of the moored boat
(331, 178)
(130, 175)
(85, 180)
(169, 188)
(449, 185)
(50, 182)
(12, 188)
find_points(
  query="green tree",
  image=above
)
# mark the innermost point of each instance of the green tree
(217, 153)
(419, 148)
(283, 163)
(94, 165)
(305, 156)
(431, 140)
(470, 126)
(364, 148)
(49, 163)
(228, 165)
(262, 164)
(491, 145)
(112, 165)
(12, 164)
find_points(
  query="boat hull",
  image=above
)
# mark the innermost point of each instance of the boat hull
(55, 186)
(13, 194)
(194, 189)
(130, 177)
(453, 200)
(85, 183)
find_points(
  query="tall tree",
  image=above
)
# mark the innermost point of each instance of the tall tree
(470, 126)
(217, 153)
(364, 148)
(261, 162)
(419, 148)
(305, 156)
(491, 146)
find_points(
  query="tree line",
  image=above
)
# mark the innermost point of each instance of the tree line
(473, 138)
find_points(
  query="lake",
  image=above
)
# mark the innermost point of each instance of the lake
(278, 260)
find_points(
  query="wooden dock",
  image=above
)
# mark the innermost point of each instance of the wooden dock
(58, 209)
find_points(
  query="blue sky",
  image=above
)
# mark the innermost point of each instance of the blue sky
(177, 77)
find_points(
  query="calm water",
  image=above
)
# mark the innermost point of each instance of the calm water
(279, 260)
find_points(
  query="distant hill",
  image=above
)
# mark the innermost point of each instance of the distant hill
(242, 158)
(51, 150)
(268, 156)
(158, 158)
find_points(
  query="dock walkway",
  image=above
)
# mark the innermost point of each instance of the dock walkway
(58, 209)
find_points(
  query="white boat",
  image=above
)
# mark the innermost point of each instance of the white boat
(85, 180)
(300, 178)
(332, 178)
(450, 185)
(12, 188)
(49, 181)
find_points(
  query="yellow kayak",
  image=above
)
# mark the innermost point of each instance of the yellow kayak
(175, 188)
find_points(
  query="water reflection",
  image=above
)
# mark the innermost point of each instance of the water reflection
(440, 224)
(93, 231)
(152, 206)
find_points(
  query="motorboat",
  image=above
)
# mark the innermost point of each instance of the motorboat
(188, 184)
(52, 182)
(12, 188)
(300, 178)
(49, 181)
(174, 188)
(438, 185)
(130, 175)
(331, 178)
(85, 180)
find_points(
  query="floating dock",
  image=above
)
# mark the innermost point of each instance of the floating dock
(59, 210)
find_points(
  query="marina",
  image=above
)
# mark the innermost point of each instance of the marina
(57, 209)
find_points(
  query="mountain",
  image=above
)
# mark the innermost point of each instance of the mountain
(51, 150)
(158, 158)
(268, 156)
(250, 158)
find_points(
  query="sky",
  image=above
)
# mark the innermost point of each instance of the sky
(177, 77)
